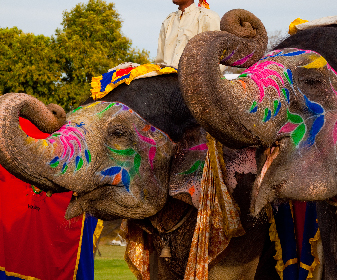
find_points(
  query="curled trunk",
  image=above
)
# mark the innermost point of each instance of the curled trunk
(205, 91)
(15, 155)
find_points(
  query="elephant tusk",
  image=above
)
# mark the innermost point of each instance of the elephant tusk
(271, 154)
(49, 193)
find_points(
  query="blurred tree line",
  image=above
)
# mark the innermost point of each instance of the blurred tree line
(58, 69)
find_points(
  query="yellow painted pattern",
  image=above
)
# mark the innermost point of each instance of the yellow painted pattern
(316, 63)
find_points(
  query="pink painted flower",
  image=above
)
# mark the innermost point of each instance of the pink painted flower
(262, 76)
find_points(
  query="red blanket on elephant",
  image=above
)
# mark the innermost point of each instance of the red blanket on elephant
(35, 238)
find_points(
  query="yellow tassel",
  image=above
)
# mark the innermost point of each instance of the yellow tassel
(292, 26)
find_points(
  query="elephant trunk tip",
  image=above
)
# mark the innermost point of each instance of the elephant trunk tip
(48, 118)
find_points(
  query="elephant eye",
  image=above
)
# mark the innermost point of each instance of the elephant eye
(118, 131)
(312, 81)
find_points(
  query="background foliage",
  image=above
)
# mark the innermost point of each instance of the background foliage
(58, 69)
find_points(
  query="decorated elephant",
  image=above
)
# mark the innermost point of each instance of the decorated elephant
(285, 104)
(120, 166)
(138, 153)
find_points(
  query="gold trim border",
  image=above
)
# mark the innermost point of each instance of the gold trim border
(79, 249)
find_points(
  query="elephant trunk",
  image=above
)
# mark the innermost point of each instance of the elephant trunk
(206, 92)
(16, 155)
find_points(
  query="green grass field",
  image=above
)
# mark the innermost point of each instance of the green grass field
(110, 265)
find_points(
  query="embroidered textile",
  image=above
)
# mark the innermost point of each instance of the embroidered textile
(102, 85)
(218, 216)
(218, 221)
(136, 255)
(292, 264)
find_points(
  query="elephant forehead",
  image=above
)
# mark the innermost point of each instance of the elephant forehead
(100, 113)
(292, 57)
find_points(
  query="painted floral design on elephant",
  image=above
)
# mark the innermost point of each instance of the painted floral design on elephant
(263, 74)
(127, 162)
(73, 143)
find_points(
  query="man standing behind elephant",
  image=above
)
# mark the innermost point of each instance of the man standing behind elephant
(181, 26)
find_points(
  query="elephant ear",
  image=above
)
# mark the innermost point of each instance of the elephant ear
(187, 167)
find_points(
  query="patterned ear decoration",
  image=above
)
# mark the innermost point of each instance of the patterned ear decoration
(187, 167)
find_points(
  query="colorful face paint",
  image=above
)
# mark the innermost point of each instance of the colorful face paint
(127, 163)
(71, 139)
(275, 71)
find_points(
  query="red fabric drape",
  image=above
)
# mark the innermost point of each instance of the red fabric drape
(35, 238)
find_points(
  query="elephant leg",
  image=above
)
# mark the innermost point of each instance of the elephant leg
(327, 222)
(240, 259)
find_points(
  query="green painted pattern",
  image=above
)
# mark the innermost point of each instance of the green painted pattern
(298, 133)
(55, 164)
(284, 94)
(106, 109)
(287, 76)
(80, 164)
(253, 106)
(77, 109)
(266, 111)
(64, 170)
(276, 102)
(89, 156)
(126, 152)
(294, 118)
(193, 168)
(136, 162)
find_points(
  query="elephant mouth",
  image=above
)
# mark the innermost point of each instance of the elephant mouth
(259, 198)
(85, 202)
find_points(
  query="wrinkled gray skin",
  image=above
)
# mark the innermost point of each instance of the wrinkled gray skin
(301, 145)
(119, 142)
(305, 168)
(146, 202)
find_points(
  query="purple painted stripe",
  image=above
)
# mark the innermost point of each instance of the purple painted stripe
(243, 60)
(228, 57)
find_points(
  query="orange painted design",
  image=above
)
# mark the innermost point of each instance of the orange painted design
(243, 84)
(191, 190)
(130, 111)
(203, 3)
(146, 128)
(117, 179)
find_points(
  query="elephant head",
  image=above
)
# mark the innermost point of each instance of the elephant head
(115, 161)
(285, 103)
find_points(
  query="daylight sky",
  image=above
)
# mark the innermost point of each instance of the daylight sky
(142, 18)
